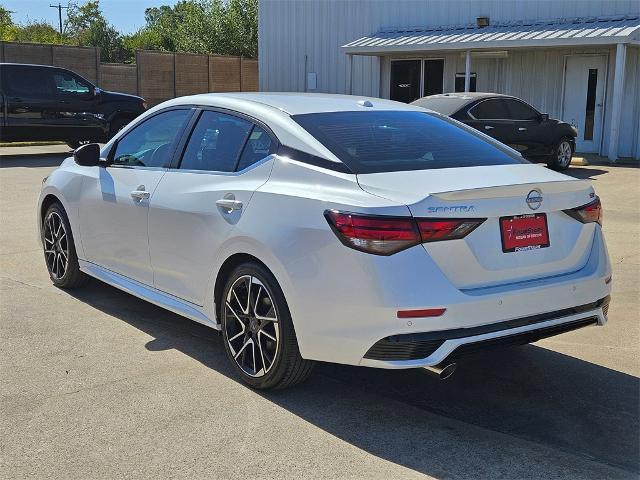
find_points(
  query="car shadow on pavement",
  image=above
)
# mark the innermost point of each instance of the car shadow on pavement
(33, 161)
(526, 392)
(585, 173)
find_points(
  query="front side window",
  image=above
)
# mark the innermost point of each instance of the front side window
(149, 144)
(215, 143)
(520, 110)
(389, 141)
(67, 84)
(492, 109)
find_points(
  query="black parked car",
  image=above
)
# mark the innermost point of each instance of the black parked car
(512, 121)
(51, 103)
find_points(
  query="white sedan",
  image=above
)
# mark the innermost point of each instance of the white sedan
(326, 227)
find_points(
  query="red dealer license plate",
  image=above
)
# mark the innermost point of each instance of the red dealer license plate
(524, 232)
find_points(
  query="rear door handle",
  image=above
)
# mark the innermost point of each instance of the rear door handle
(229, 204)
(140, 194)
(522, 129)
(488, 127)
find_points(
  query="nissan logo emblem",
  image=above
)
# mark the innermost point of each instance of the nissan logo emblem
(534, 199)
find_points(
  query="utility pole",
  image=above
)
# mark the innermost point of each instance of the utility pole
(59, 7)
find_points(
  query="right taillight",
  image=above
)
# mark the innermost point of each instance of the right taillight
(383, 235)
(449, 229)
(591, 212)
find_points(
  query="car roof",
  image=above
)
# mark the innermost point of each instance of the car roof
(276, 109)
(295, 103)
(30, 65)
(450, 103)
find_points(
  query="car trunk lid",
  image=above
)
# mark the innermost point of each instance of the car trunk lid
(493, 192)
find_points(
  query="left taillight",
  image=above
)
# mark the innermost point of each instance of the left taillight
(376, 234)
(384, 235)
(591, 212)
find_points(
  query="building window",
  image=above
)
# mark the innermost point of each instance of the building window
(460, 82)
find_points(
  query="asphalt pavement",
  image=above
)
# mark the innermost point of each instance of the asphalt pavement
(98, 384)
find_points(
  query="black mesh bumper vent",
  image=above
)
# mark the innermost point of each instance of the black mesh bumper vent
(415, 346)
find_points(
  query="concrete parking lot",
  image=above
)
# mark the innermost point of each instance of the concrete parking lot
(98, 384)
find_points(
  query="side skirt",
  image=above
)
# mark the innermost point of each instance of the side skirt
(151, 295)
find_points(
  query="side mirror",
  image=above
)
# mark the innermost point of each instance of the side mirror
(96, 91)
(544, 117)
(87, 155)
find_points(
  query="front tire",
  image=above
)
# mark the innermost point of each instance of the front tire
(59, 249)
(258, 332)
(562, 155)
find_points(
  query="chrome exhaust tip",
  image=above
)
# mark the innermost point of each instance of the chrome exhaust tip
(442, 371)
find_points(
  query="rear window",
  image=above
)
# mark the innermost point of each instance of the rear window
(443, 104)
(390, 141)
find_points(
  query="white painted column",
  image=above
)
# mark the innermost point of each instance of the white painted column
(467, 71)
(349, 74)
(617, 98)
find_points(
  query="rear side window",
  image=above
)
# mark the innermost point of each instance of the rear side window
(390, 141)
(27, 82)
(149, 144)
(493, 109)
(259, 145)
(215, 143)
(520, 111)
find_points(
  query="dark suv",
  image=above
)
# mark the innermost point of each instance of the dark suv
(51, 103)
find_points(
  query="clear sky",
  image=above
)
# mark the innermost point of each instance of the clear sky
(126, 15)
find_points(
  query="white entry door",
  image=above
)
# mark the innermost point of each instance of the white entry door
(584, 98)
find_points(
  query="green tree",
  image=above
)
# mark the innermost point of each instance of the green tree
(36, 32)
(7, 27)
(228, 27)
(201, 26)
(80, 18)
(101, 34)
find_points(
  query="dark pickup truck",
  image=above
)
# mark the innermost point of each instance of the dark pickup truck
(51, 103)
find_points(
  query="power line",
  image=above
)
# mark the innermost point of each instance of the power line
(59, 7)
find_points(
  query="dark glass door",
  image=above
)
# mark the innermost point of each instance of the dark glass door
(405, 80)
(433, 77)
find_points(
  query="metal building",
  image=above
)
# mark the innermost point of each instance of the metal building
(578, 60)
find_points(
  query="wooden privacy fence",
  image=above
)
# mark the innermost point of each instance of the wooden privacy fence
(82, 60)
(156, 76)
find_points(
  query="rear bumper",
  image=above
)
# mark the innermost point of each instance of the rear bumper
(434, 348)
(351, 299)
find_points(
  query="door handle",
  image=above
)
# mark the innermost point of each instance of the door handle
(229, 204)
(140, 194)
(522, 129)
(488, 127)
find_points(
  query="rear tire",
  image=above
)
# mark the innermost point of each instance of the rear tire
(59, 249)
(562, 155)
(77, 143)
(258, 333)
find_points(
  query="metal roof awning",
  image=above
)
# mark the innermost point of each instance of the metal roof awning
(557, 33)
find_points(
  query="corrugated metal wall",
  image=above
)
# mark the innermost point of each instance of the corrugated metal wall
(289, 30)
(299, 36)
